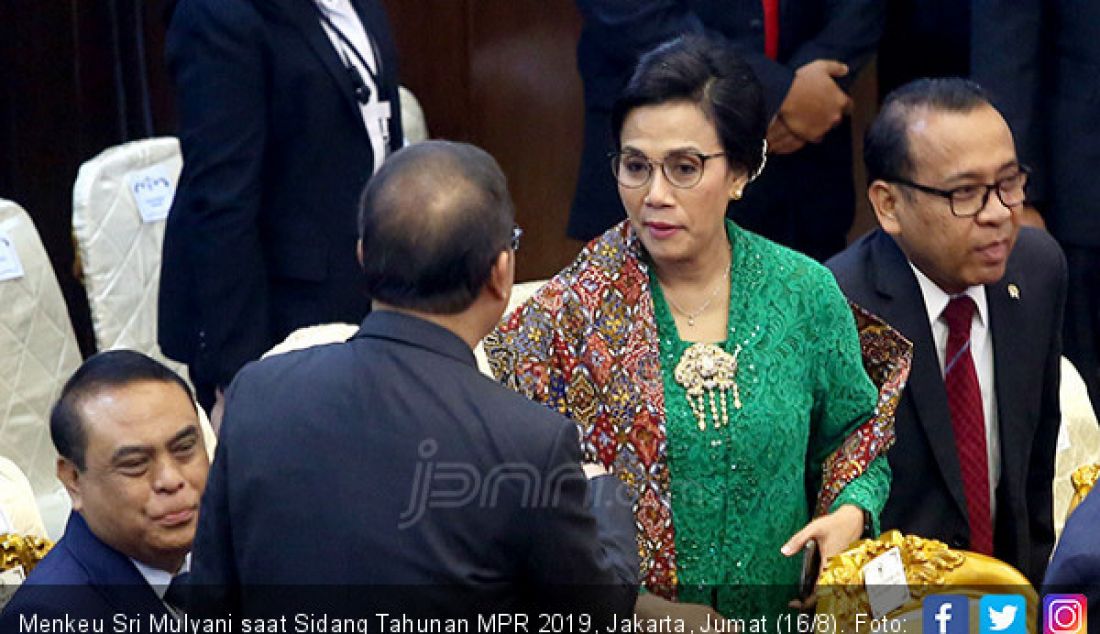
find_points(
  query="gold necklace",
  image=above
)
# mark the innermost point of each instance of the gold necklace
(710, 298)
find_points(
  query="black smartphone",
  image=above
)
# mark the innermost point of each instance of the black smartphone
(811, 565)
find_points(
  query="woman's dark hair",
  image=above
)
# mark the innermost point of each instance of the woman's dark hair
(708, 73)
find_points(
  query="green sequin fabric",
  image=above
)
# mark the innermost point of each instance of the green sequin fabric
(741, 490)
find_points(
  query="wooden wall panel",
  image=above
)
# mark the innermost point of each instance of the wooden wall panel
(529, 113)
(433, 49)
(517, 95)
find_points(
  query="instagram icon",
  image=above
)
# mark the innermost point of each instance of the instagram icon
(1065, 614)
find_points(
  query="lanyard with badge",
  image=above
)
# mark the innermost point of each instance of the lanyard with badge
(373, 111)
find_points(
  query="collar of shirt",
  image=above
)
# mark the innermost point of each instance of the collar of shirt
(935, 299)
(159, 579)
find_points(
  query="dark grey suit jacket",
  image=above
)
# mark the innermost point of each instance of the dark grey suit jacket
(1075, 567)
(927, 497)
(391, 461)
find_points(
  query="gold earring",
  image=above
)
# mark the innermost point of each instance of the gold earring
(735, 194)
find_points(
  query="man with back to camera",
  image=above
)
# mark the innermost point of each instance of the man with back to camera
(981, 299)
(133, 461)
(399, 463)
(1075, 566)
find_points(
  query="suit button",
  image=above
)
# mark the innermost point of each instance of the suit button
(756, 24)
(958, 542)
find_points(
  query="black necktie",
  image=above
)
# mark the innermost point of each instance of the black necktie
(177, 592)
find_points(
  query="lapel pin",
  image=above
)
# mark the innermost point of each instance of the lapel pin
(1014, 291)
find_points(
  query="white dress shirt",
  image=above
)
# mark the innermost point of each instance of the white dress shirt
(981, 351)
(159, 579)
(376, 113)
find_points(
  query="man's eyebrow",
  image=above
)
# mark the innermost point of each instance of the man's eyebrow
(976, 176)
(145, 450)
(187, 432)
(125, 452)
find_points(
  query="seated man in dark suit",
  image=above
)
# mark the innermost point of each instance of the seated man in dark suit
(1075, 566)
(133, 461)
(389, 460)
(982, 302)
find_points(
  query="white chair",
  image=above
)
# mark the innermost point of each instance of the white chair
(309, 336)
(18, 508)
(412, 117)
(120, 251)
(39, 353)
(1078, 440)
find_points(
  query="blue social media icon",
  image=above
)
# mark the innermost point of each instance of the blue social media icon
(1003, 614)
(946, 614)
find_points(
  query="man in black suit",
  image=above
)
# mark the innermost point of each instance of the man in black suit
(1039, 61)
(286, 109)
(390, 459)
(133, 461)
(982, 302)
(805, 53)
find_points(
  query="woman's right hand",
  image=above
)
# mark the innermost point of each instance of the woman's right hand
(694, 616)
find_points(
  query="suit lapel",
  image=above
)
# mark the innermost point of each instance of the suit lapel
(894, 280)
(114, 576)
(1007, 321)
(303, 14)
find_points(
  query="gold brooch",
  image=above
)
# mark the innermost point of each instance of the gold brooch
(708, 373)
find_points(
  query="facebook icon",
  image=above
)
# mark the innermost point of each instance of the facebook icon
(946, 614)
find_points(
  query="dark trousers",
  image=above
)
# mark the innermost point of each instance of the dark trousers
(1082, 321)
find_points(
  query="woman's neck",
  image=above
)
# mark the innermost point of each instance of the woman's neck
(710, 264)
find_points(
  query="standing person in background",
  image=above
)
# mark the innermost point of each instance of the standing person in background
(805, 53)
(1069, 191)
(286, 109)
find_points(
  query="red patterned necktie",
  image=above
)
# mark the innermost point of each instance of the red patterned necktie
(771, 28)
(964, 398)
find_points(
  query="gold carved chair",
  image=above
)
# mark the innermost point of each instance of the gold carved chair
(930, 568)
(1083, 479)
(19, 554)
(22, 550)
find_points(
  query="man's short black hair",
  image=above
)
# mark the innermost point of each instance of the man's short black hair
(886, 152)
(110, 369)
(709, 74)
(432, 221)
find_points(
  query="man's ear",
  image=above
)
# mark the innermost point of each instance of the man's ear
(885, 200)
(501, 275)
(69, 476)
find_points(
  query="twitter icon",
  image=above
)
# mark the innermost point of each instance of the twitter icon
(1003, 614)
